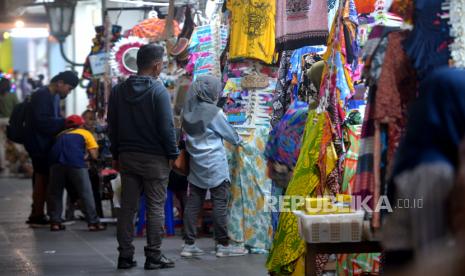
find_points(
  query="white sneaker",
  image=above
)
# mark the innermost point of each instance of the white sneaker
(230, 251)
(191, 250)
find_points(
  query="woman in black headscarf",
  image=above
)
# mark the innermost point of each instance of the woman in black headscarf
(206, 127)
(425, 168)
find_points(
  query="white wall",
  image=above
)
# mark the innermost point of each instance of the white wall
(87, 15)
(127, 19)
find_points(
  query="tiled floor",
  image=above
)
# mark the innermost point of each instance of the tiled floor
(26, 251)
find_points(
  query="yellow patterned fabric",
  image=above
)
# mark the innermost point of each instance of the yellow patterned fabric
(252, 29)
(316, 161)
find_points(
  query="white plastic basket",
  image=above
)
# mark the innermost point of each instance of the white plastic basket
(331, 228)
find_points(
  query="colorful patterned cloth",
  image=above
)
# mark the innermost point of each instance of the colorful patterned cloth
(351, 158)
(316, 161)
(282, 98)
(205, 48)
(153, 28)
(358, 264)
(249, 224)
(286, 137)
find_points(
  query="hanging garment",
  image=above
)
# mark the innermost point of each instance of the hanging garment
(205, 48)
(249, 223)
(252, 29)
(286, 137)
(385, 121)
(396, 88)
(317, 161)
(428, 43)
(351, 158)
(283, 94)
(300, 23)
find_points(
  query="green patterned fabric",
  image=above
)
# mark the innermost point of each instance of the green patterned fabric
(317, 151)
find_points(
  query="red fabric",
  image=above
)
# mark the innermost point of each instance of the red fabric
(365, 6)
(74, 121)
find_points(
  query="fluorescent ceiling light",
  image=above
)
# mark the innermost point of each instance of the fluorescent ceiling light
(142, 3)
(30, 32)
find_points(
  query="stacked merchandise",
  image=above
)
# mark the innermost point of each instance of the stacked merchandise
(248, 108)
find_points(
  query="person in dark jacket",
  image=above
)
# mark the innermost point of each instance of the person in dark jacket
(44, 122)
(143, 144)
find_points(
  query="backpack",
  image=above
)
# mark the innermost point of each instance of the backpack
(16, 129)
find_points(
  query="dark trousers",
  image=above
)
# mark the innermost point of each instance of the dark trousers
(79, 179)
(220, 197)
(148, 174)
(40, 180)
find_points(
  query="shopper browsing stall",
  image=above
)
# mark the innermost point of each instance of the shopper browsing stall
(206, 128)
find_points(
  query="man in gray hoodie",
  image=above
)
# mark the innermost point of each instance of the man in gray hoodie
(143, 144)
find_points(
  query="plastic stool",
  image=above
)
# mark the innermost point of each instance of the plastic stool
(169, 216)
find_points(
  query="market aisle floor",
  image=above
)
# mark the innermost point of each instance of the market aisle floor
(26, 251)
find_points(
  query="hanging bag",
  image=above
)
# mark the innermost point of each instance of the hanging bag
(181, 164)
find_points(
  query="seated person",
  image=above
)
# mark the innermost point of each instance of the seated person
(69, 166)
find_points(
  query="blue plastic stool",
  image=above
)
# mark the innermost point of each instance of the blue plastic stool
(170, 223)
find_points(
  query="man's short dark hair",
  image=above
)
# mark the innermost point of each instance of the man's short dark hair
(68, 77)
(148, 54)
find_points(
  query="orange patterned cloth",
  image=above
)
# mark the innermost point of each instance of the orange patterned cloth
(153, 28)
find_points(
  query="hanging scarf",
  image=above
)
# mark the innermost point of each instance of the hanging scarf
(299, 23)
(200, 107)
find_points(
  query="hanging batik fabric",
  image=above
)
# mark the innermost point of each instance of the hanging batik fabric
(286, 137)
(249, 222)
(282, 98)
(300, 23)
(317, 160)
(205, 48)
(252, 29)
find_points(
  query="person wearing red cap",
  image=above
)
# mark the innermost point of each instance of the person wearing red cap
(68, 159)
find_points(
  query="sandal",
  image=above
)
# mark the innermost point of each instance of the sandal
(54, 227)
(95, 227)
